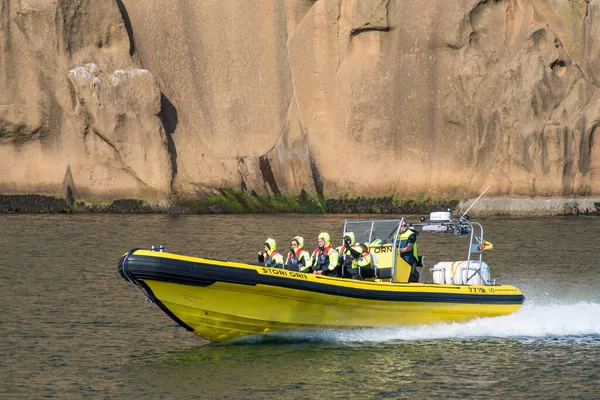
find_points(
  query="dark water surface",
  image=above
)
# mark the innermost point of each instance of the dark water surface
(71, 327)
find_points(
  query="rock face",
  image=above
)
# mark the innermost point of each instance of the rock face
(77, 114)
(151, 99)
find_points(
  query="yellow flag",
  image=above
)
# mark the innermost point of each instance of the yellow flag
(487, 245)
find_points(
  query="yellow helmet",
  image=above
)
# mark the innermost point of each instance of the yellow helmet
(300, 241)
(272, 245)
(351, 236)
(325, 236)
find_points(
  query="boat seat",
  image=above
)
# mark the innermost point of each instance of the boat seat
(292, 267)
(375, 259)
(386, 273)
(366, 272)
(369, 272)
(383, 273)
(419, 266)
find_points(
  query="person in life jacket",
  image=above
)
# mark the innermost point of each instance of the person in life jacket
(349, 254)
(365, 259)
(270, 256)
(324, 260)
(372, 239)
(408, 249)
(298, 256)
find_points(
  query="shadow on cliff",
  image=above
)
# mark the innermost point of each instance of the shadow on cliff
(168, 112)
(128, 27)
(168, 116)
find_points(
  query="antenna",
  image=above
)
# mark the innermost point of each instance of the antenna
(476, 200)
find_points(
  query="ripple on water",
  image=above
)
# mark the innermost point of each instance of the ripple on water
(72, 327)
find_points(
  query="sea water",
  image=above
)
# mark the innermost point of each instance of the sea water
(71, 327)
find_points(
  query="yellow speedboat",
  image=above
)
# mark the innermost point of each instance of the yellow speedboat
(221, 301)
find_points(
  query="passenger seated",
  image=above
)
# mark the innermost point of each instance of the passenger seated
(349, 254)
(364, 264)
(365, 259)
(376, 242)
(324, 260)
(372, 239)
(270, 256)
(298, 259)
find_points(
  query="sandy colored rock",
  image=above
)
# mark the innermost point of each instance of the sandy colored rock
(334, 97)
(530, 206)
(122, 129)
(63, 126)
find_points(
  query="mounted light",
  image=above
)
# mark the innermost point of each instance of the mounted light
(442, 216)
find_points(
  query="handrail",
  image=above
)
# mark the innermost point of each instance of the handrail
(370, 220)
(395, 253)
(479, 239)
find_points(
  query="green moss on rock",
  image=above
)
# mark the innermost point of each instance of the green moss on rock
(33, 204)
(228, 201)
(388, 205)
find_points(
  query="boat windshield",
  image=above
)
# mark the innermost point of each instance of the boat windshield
(382, 231)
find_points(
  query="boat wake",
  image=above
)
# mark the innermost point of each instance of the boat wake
(532, 321)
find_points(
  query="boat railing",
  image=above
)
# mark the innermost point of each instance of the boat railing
(477, 243)
(477, 247)
(387, 232)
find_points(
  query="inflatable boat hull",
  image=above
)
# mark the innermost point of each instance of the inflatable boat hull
(221, 301)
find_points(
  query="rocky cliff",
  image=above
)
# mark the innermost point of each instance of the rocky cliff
(104, 99)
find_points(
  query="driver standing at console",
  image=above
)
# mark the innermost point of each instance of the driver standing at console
(408, 250)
